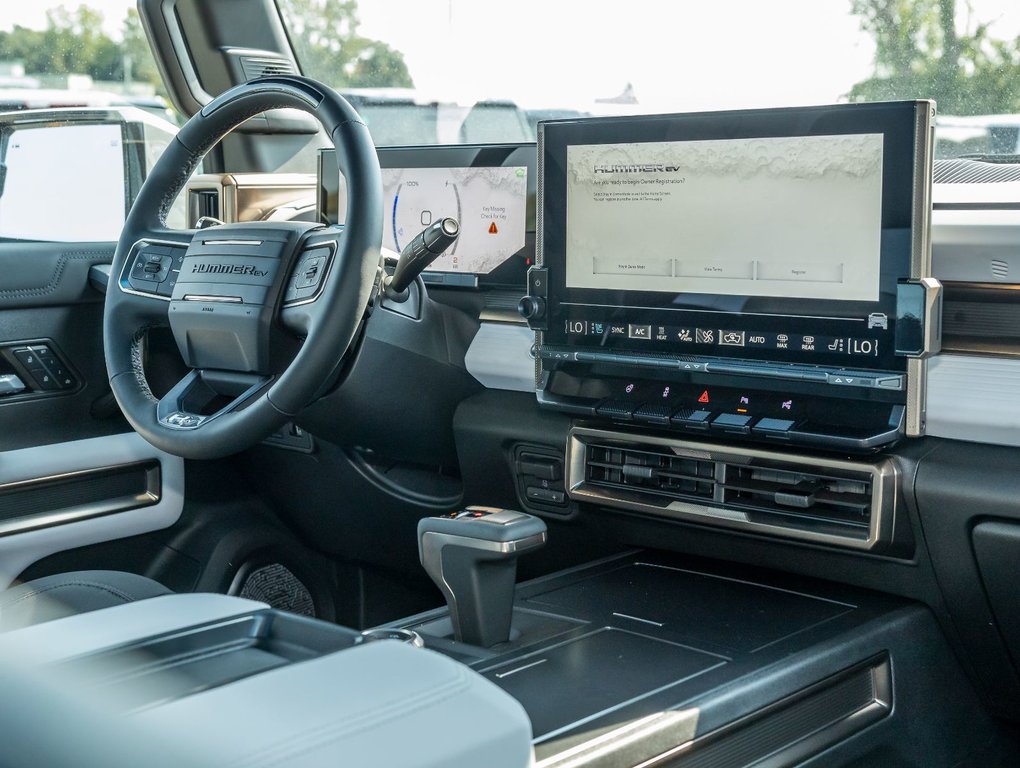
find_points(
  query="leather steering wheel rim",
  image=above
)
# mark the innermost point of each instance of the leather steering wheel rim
(344, 297)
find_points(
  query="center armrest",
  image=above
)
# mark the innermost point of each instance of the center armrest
(232, 682)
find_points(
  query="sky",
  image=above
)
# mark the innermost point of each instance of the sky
(678, 54)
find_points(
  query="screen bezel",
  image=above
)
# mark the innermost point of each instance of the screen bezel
(903, 155)
(511, 274)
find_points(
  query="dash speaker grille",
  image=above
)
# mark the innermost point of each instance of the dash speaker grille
(276, 585)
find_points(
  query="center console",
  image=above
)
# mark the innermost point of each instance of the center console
(652, 659)
(761, 276)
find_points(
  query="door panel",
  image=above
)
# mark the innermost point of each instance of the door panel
(45, 299)
(69, 464)
(85, 503)
(49, 274)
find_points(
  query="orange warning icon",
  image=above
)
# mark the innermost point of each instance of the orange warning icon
(704, 397)
(492, 229)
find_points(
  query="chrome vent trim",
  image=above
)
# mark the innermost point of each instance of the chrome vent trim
(963, 171)
(826, 501)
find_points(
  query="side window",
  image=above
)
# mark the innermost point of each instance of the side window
(62, 183)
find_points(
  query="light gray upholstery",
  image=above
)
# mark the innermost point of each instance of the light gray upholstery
(96, 631)
(68, 594)
(380, 704)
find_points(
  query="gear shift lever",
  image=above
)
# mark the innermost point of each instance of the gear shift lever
(427, 246)
(471, 555)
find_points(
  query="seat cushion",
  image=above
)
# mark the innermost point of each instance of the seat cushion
(67, 594)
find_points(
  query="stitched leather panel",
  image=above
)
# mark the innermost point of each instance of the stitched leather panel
(49, 274)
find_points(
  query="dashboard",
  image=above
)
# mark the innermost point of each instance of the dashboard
(857, 371)
(735, 312)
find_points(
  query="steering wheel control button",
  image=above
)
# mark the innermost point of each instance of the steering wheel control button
(138, 271)
(307, 276)
(166, 288)
(152, 264)
(310, 273)
(153, 268)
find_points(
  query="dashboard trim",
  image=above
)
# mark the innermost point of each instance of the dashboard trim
(921, 258)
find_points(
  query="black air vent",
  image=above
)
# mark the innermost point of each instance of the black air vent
(964, 171)
(505, 301)
(662, 474)
(758, 491)
(204, 202)
(799, 494)
(254, 67)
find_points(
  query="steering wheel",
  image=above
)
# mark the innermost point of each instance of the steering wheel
(262, 312)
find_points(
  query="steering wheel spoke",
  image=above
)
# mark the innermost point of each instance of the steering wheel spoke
(204, 395)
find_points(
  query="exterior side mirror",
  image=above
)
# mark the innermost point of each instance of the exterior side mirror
(72, 174)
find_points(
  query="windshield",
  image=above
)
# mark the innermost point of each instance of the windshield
(461, 71)
(443, 71)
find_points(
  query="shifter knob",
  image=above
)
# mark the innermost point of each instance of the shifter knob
(471, 555)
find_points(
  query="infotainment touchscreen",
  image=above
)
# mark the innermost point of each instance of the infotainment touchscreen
(782, 250)
(490, 190)
(775, 235)
(791, 217)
